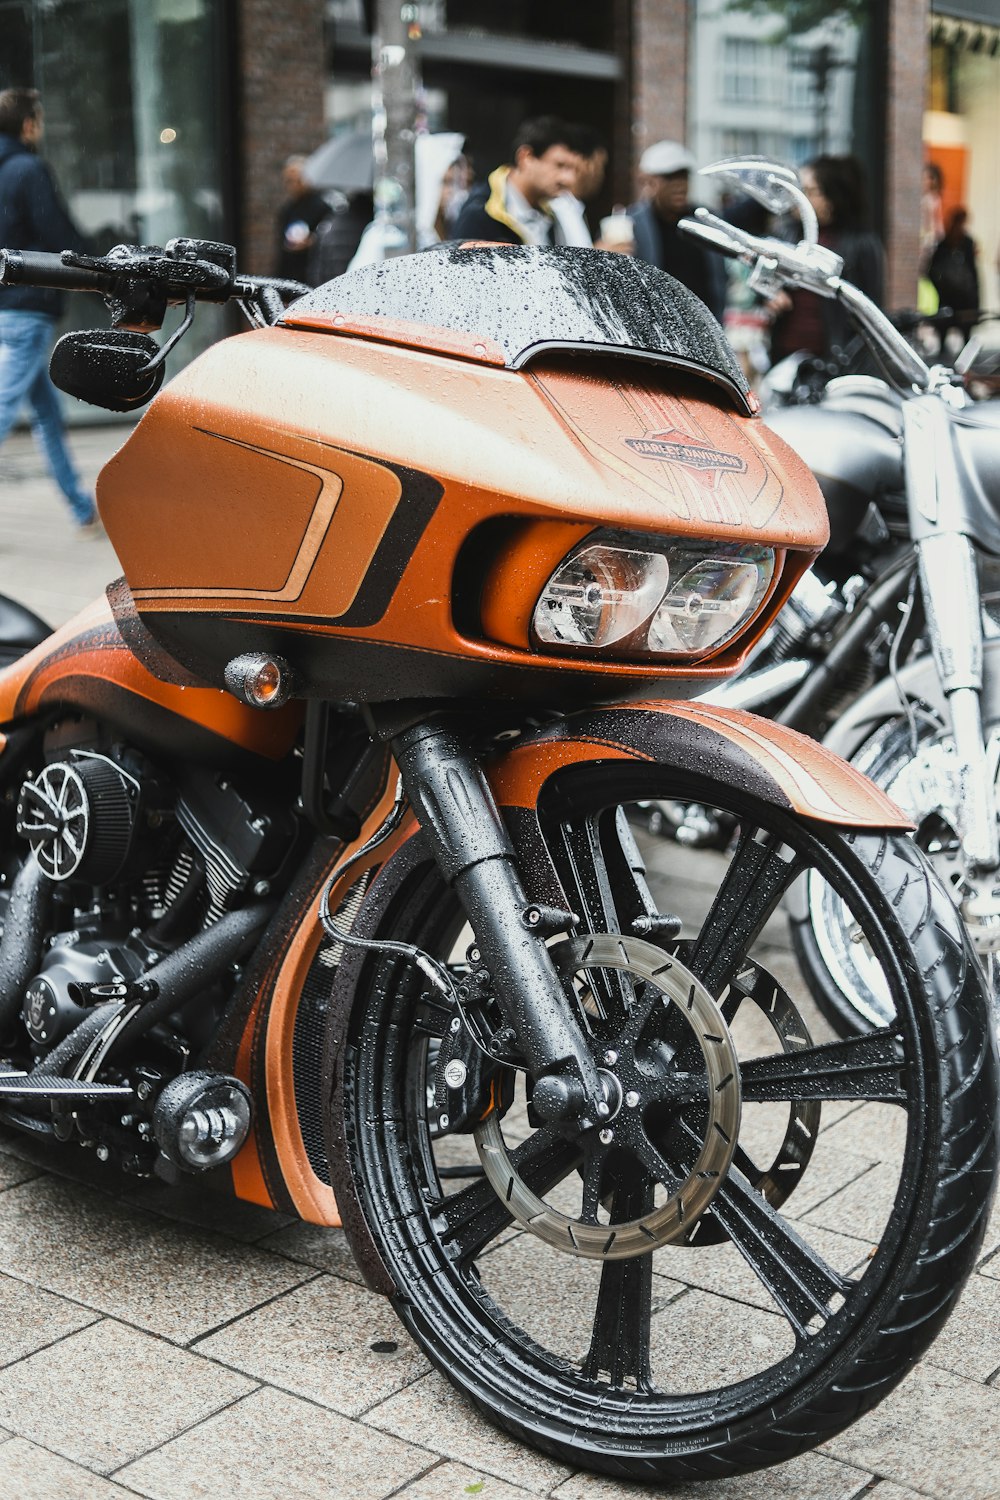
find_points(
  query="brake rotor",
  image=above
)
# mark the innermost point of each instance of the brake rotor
(785, 1172)
(716, 1091)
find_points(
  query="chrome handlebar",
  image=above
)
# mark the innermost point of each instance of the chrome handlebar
(776, 264)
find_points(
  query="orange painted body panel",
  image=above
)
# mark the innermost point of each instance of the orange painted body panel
(296, 491)
(313, 1200)
(814, 782)
(85, 660)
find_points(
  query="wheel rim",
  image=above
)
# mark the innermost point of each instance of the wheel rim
(924, 786)
(821, 1301)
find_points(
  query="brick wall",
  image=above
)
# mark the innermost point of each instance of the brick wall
(280, 84)
(659, 72)
(905, 91)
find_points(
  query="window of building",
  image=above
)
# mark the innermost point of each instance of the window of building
(774, 80)
(751, 71)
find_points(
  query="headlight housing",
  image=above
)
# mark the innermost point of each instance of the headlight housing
(632, 598)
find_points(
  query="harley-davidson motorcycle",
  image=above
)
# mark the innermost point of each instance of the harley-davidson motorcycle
(889, 650)
(319, 880)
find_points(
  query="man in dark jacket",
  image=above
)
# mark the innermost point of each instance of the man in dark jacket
(668, 167)
(512, 207)
(32, 217)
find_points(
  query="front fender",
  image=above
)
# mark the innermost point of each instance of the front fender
(727, 745)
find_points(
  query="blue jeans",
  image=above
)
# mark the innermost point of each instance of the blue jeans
(25, 341)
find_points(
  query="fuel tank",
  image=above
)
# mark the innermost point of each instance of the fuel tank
(335, 490)
(852, 441)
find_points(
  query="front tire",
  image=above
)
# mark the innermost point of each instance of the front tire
(641, 1367)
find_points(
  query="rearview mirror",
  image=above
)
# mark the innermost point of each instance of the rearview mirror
(771, 184)
(108, 367)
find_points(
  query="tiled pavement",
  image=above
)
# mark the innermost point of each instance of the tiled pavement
(165, 1344)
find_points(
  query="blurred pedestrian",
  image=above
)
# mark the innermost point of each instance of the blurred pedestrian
(931, 213)
(301, 214)
(440, 168)
(667, 168)
(954, 275)
(455, 188)
(747, 321)
(835, 187)
(570, 207)
(514, 205)
(337, 237)
(33, 217)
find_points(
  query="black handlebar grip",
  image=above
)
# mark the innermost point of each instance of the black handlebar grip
(45, 268)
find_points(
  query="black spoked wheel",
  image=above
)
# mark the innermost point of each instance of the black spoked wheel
(769, 1229)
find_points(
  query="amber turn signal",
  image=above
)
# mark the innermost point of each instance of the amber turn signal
(259, 680)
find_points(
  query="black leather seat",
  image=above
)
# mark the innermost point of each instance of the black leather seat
(20, 629)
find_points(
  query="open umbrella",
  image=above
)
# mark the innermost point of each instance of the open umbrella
(343, 162)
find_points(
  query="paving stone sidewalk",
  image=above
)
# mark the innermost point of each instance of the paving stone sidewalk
(168, 1344)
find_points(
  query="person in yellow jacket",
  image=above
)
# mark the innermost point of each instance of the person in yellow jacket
(513, 205)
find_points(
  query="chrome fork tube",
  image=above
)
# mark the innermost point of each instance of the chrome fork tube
(954, 614)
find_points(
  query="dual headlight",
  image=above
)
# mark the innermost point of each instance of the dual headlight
(676, 598)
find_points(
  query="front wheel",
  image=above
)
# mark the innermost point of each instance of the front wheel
(719, 1277)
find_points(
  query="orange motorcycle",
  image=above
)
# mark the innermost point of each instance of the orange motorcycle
(319, 878)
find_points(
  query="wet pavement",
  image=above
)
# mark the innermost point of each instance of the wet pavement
(169, 1344)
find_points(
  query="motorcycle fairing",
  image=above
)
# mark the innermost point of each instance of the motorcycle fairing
(973, 504)
(853, 448)
(511, 303)
(280, 1166)
(382, 482)
(855, 457)
(87, 666)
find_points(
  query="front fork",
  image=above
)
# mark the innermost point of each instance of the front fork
(454, 805)
(950, 586)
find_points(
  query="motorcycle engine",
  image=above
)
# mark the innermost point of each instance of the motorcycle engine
(78, 815)
(139, 864)
(812, 607)
(55, 1000)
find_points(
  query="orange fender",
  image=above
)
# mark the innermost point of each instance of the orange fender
(774, 763)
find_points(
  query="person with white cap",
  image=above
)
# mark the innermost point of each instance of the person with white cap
(667, 167)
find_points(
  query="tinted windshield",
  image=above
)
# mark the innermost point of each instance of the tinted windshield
(527, 300)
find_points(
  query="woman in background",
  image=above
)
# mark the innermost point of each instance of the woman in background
(835, 187)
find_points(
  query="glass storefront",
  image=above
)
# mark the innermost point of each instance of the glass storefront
(961, 128)
(137, 123)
